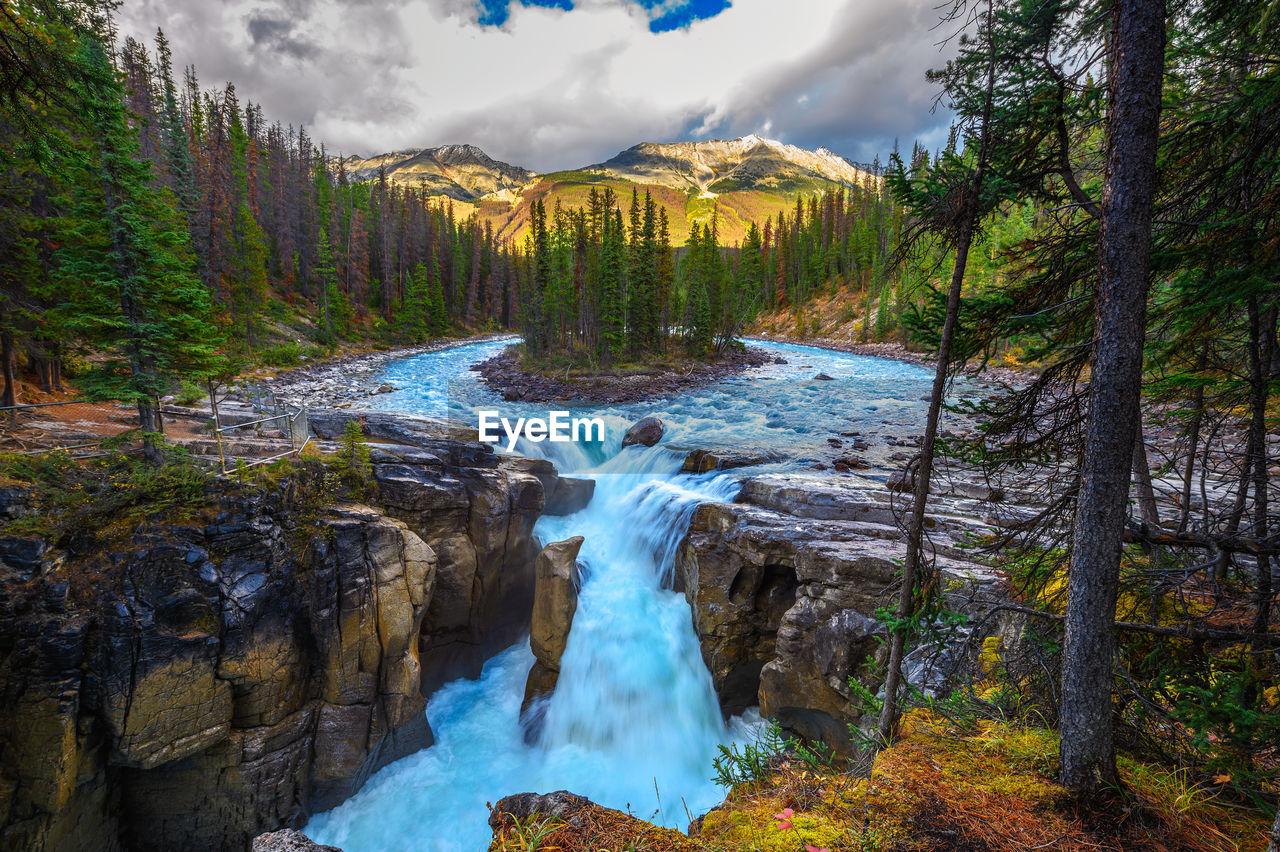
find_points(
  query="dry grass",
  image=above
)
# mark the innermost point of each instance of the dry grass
(985, 789)
(589, 828)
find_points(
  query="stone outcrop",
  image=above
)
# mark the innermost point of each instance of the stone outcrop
(217, 679)
(555, 600)
(646, 431)
(288, 840)
(702, 461)
(565, 495)
(560, 805)
(784, 586)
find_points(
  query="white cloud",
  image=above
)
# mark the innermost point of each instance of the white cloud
(553, 89)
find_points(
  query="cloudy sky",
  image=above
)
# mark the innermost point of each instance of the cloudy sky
(553, 84)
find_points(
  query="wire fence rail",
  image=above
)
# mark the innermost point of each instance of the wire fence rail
(78, 427)
(280, 421)
(242, 429)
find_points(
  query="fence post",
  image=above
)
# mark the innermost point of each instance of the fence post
(217, 423)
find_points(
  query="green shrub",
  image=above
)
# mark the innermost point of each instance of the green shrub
(190, 393)
(288, 354)
(351, 463)
(754, 762)
(99, 498)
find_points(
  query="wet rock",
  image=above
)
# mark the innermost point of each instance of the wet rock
(25, 555)
(570, 495)
(558, 805)
(702, 461)
(563, 495)
(646, 432)
(554, 604)
(823, 377)
(850, 461)
(385, 387)
(738, 590)
(900, 483)
(289, 840)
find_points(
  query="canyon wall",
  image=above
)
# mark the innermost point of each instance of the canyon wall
(784, 585)
(216, 679)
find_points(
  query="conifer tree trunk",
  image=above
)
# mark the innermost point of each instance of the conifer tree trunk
(1193, 439)
(1087, 753)
(889, 711)
(8, 358)
(1147, 508)
(1260, 344)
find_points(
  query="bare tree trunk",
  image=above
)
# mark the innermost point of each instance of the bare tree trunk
(8, 365)
(1236, 516)
(1147, 508)
(889, 711)
(1260, 344)
(1274, 845)
(1087, 753)
(1193, 440)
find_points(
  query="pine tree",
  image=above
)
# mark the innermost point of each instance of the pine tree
(612, 288)
(125, 270)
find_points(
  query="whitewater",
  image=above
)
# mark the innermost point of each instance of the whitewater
(634, 723)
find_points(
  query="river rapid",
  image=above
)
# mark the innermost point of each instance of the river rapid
(634, 723)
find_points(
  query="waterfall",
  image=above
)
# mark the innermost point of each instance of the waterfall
(633, 723)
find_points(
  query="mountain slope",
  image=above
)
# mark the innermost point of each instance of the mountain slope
(719, 165)
(461, 172)
(737, 181)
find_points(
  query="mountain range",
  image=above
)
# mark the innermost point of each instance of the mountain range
(737, 180)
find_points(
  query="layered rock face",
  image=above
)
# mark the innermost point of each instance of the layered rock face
(219, 679)
(784, 586)
(554, 604)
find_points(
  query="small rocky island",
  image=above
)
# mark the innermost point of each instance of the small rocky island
(509, 376)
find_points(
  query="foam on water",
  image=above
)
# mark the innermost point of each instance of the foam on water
(634, 722)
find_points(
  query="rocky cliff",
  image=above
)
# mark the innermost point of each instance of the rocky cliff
(556, 583)
(785, 583)
(719, 165)
(461, 172)
(218, 679)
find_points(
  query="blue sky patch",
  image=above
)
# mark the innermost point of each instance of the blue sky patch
(664, 15)
(683, 14)
(494, 13)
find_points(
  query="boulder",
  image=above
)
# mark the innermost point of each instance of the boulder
(702, 461)
(519, 807)
(848, 462)
(288, 840)
(554, 603)
(571, 495)
(647, 432)
(577, 823)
